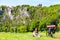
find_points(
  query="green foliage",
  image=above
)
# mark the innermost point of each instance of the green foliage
(40, 17)
(22, 29)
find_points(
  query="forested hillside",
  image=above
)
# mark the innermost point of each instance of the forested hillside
(25, 18)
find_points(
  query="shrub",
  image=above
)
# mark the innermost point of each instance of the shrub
(22, 29)
(58, 28)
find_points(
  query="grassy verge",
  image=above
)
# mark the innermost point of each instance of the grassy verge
(25, 36)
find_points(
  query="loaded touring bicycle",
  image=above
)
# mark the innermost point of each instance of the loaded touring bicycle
(50, 30)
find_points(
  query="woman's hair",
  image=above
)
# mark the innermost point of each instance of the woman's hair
(36, 29)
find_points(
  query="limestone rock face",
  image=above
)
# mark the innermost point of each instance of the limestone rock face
(24, 15)
(8, 13)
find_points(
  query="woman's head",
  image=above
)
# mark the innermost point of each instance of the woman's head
(36, 30)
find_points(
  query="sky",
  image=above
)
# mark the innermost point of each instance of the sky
(29, 2)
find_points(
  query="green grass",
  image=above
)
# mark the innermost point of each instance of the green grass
(25, 36)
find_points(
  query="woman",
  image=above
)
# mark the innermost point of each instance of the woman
(35, 32)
